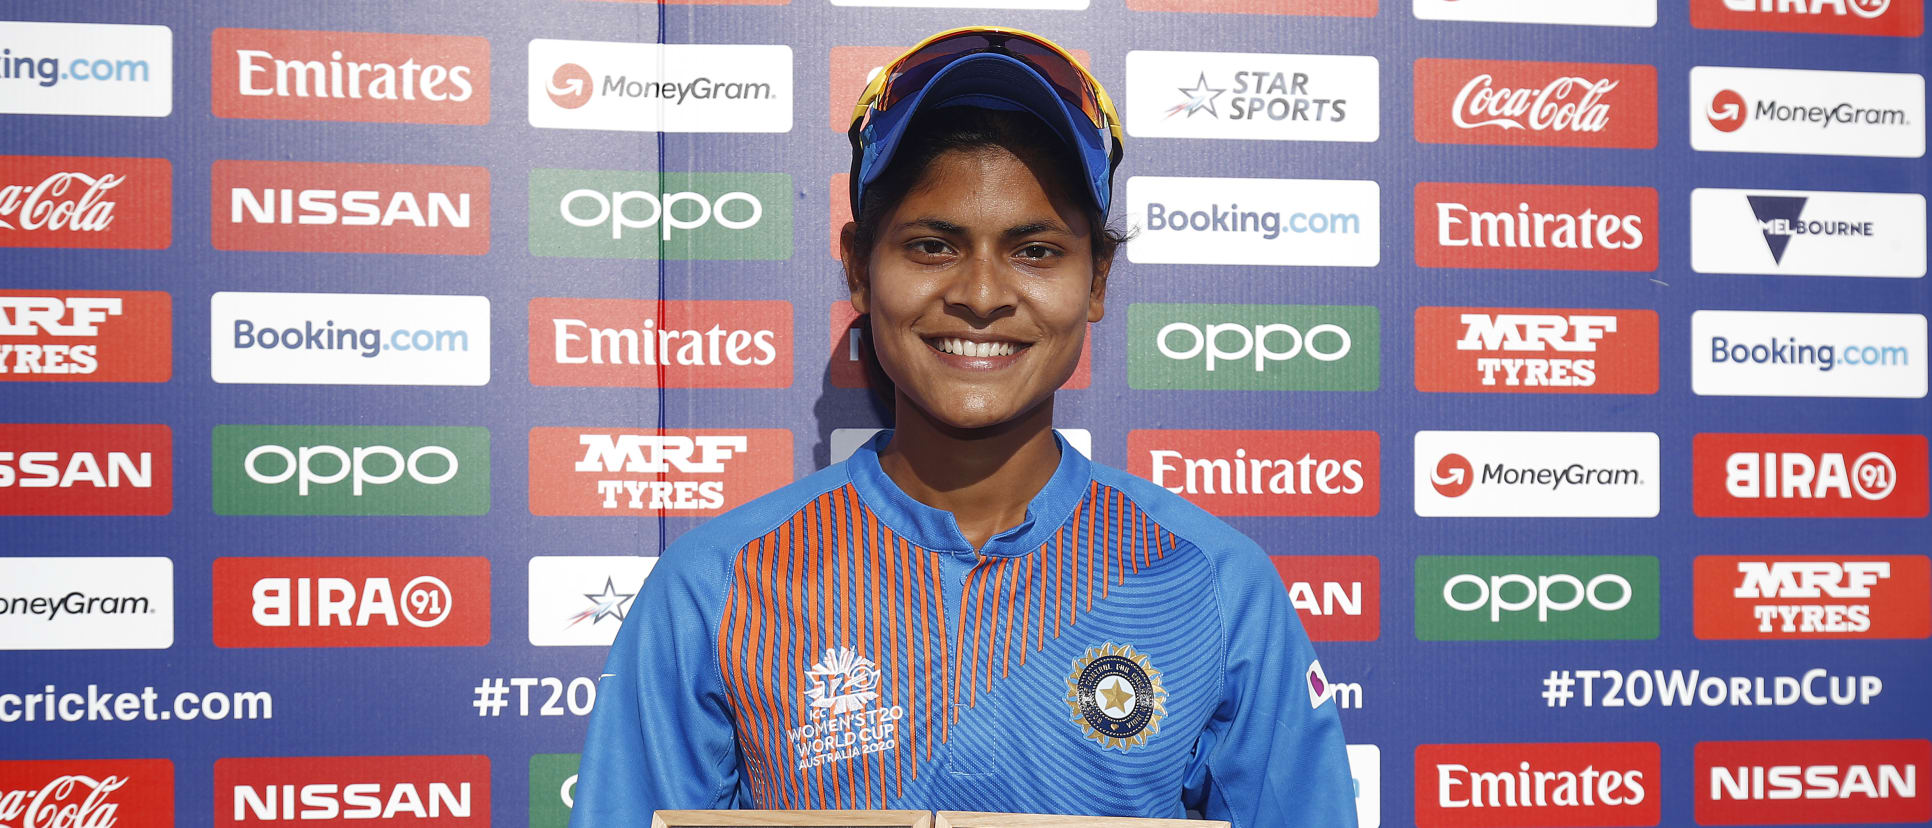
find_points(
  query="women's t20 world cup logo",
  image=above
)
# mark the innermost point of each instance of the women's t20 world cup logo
(842, 682)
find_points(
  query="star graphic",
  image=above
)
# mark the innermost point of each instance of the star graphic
(607, 604)
(1116, 694)
(1199, 98)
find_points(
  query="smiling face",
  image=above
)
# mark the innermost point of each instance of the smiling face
(980, 284)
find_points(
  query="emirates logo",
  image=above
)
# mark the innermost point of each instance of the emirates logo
(842, 682)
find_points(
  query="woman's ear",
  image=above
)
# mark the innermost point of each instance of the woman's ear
(1097, 292)
(856, 281)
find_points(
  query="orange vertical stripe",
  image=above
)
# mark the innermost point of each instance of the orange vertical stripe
(787, 686)
(992, 625)
(899, 658)
(925, 639)
(1026, 600)
(1095, 493)
(959, 669)
(1006, 655)
(1107, 550)
(1041, 640)
(815, 612)
(759, 721)
(861, 765)
(1059, 577)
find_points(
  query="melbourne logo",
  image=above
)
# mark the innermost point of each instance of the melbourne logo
(1116, 696)
(589, 472)
(1535, 597)
(351, 208)
(66, 201)
(1638, 13)
(671, 344)
(1255, 221)
(1808, 475)
(1535, 227)
(351, 76)
(351, 470)
(1339, 597)
(1562, 785)
(1536, 350)
(1253, 96)
(1891, 18)
(349, 338)
(86, 603)
(1811, 783)
(1527, 103)
(618, 214)
(580, 600)
(352, 602)
(1808, 233)
(86, 469)
(1807, 112)
(86, 69)
(841, 720)
(398, 790)
(1254, 347)
(86, 793)
(86, 336)
(1813, 596)
(1536, 474)
(1264, 473)
(653, 87)
(1793, 354)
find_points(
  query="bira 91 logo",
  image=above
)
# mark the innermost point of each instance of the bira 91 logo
(351, 76)
(351, 470)
(1809, 475)
(1326, 8)
(636, 343)
(86, 336)
(1536, 597)
(101, 203)
(1558, 785)
(351, 208)
(1264, 473)
(1807, 112)
(1536, 350)
(1890, 18)
(396, 790)
(591, 472)
(1528, 103)
(1812, 783)
(1535, 227)
(1813, 596)
(352, 602)
(626, 214)
(1339, 597)
(1254, 347)
(86, 793)
(1536, 474)
(86, 469)
(847, 358)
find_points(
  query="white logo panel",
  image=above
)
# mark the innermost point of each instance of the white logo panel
(349, 339)
(650, 87)
(581, 600)
(847, 440)
(87, 69)
(1807, 112)
(1808, 233)
(1255, 221)
(1639, 13)
(86, 603)
(1365, 765)
(1267, 97)
(1536, 474)
(1788, 354)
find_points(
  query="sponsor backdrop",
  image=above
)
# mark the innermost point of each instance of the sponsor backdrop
(1569, 357)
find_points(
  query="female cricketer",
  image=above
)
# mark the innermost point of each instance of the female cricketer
(968, 614)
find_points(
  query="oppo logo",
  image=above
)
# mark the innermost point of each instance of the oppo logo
(667, 211)
(302, 465)
(1560, 592)
(1229, 342)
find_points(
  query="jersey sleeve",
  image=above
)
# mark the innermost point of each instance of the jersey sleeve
(661, 734)
(1272, 752)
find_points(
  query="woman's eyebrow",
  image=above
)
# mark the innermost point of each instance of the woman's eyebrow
(937, 225)
(1035, 227)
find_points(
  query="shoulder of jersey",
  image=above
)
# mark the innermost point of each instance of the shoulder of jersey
(1186, 521)
(714, 542)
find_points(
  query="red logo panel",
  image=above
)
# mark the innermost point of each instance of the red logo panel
(1564, 785)
(604, 472)
(1808, 475)
(847, 368)
(86, 336)
(1536, 350)
(1892, 18)
(1339, 597)
(376, 791)
(86, 470)
(103, 203)
(1813, 596)
(1535, 227)
(351, 76)
(351, 208)
(1811, 783)
(83, 793)
(647, 344)
(1263, 473)
(352, 602)
(1527, 103)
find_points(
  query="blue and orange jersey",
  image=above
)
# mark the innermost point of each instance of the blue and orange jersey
(837, 644)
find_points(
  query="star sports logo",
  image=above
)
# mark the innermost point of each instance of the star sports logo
(842, 682)
(582, 600)
(1198, 99)
(606, 604)
(569, 86)
(1726, 111)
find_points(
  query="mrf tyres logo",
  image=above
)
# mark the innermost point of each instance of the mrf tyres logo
(1529, 103)
(1536, 350)
(1548, 785)
(351, 208)
(652, 87)
(1813, 597)
(1890, 18)
(1809, 475)
(1263, 473)
(351, 470)
(1536, 474)
(352, 602)
(1339, 597)
(73, 202)
(1808, 233)
(86, 793)
(624, 214)
(1253, 96)
(86, 469)
(86, 336)
(647, 344)
(1535, 227)
(397, 790)
(1813, 783)
(590, 472)
(1535, 597)
(351, 76)
(1807, 112)
(1254, 347)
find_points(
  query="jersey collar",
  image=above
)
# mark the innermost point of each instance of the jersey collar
(935, 529)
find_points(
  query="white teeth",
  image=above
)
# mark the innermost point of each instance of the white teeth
(962, 347)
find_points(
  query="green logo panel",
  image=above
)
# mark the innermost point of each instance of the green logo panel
(631, 214)
(1535, 597)
(351, 470)
(1254, 347)
(553, 776)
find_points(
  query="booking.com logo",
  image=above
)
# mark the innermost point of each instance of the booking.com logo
(1232, 219)
(328, 337)
(1790, 352)
(47, 70)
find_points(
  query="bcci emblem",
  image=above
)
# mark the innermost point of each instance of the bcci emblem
(1116, 696)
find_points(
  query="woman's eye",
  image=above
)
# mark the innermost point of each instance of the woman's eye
(928, 247)
(1037, 251)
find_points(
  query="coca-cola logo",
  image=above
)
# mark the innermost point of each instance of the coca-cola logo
(1570, 103)
(51, 201)
(1534, 103)
(47, 205)
(70, 801)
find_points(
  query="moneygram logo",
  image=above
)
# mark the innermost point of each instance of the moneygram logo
(1267, 97)
(847, 368)
(1527, 103)
(398, 790)
(1638, 13)
(64, 201)
(1535, 227)
(1813, 597)
(349, 339)
(1892, 18)
(351, 76)
(86, 603)
(589, 472)
(86, 469)
(1536, 474)
(1264, 473)
(1329, 8)
(1811, 783)
(1254, 347)
(351, 470)
(653, 87)
(351, 208)
(1808, 475)
(1808, 233)
(553, 789)
(86, 336)
(1535, 597)
(1790, 354)
(1807, 112)
(1339, 597)
(1563, 785)
(86, 69)
(352, 602)
(1255, 221)
(86, 793)
(648, 344)
(1536, 350)
(617, 214)
(580, 601)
